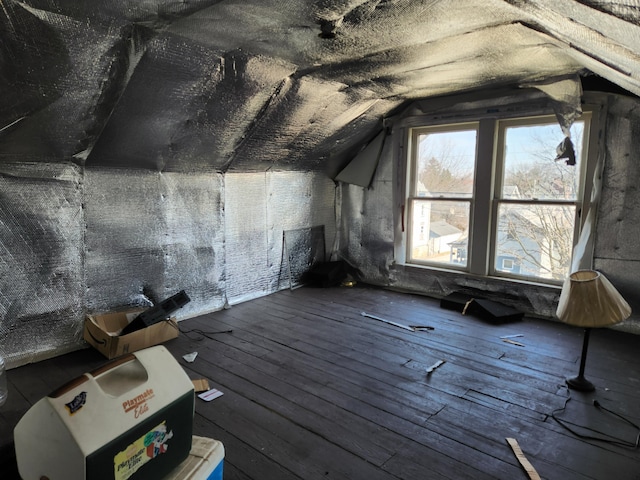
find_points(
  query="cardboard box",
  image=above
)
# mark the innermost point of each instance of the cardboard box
(205, 462)
(100, 331)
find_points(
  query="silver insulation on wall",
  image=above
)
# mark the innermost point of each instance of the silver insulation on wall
(113, 239)
(150, 235)
(303, 248)
(367, 228)
(617, 229)
(41, 260)
(260, 207)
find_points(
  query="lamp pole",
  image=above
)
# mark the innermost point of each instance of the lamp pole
(580, 382)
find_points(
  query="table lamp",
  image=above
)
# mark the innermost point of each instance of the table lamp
(589, 300)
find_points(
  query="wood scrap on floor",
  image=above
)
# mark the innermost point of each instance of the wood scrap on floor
(513, 342)
(411, 328)
(533, 474)
(434, 366)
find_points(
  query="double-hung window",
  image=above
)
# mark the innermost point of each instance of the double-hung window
(491, 197)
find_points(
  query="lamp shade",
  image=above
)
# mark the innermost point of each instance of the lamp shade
(589, 300)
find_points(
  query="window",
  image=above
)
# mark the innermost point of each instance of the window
(507, 264)
(442, 190)
(489, 197)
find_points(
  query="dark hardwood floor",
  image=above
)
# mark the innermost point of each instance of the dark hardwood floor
(315, 390)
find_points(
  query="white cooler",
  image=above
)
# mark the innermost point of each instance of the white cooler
(131, 418)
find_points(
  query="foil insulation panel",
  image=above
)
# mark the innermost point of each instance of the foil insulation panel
(58, 77)
(302, 249)
(367, 226)
(41, 260)
(150, 235)
(616, 251)
(259, 209)
(217, 85)
(186, 107)
(629, 10)
(300, 125)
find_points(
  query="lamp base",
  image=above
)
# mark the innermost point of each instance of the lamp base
(580, 383)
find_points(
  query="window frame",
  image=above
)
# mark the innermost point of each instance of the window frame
(481, 254)
(413, 198)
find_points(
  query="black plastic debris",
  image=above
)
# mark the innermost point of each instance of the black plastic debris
(489, 310)
(566, 152)
(495, 312)
(326, 274)
(156, 314)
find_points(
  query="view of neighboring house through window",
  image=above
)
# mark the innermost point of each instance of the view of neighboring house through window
(491, 197)
(536, 198)
(443, 190)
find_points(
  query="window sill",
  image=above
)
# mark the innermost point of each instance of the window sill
(531, 298)
(488, 278)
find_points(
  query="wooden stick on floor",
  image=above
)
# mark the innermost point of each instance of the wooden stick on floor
(533, 475)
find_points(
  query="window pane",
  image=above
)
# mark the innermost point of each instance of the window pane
(535, 240)
(446, 162)
(440, 231)
(530, 169)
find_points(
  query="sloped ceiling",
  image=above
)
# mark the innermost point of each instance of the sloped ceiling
(220, 85)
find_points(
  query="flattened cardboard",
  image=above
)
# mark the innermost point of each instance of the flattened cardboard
(100, 331)
(205, 461)
(479, 307)
(494, 311)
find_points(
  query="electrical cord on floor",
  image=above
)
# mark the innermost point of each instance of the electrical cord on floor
(203, 334)
(610, 439)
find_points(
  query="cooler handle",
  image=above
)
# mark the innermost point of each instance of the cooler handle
(112, 364)
(98, 372)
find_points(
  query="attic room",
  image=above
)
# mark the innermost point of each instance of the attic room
(425, 148)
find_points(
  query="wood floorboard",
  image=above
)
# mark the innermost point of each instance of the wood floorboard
(304, 410)
(315, 390)
(456, 374)
(337, 398)
(463, 337)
